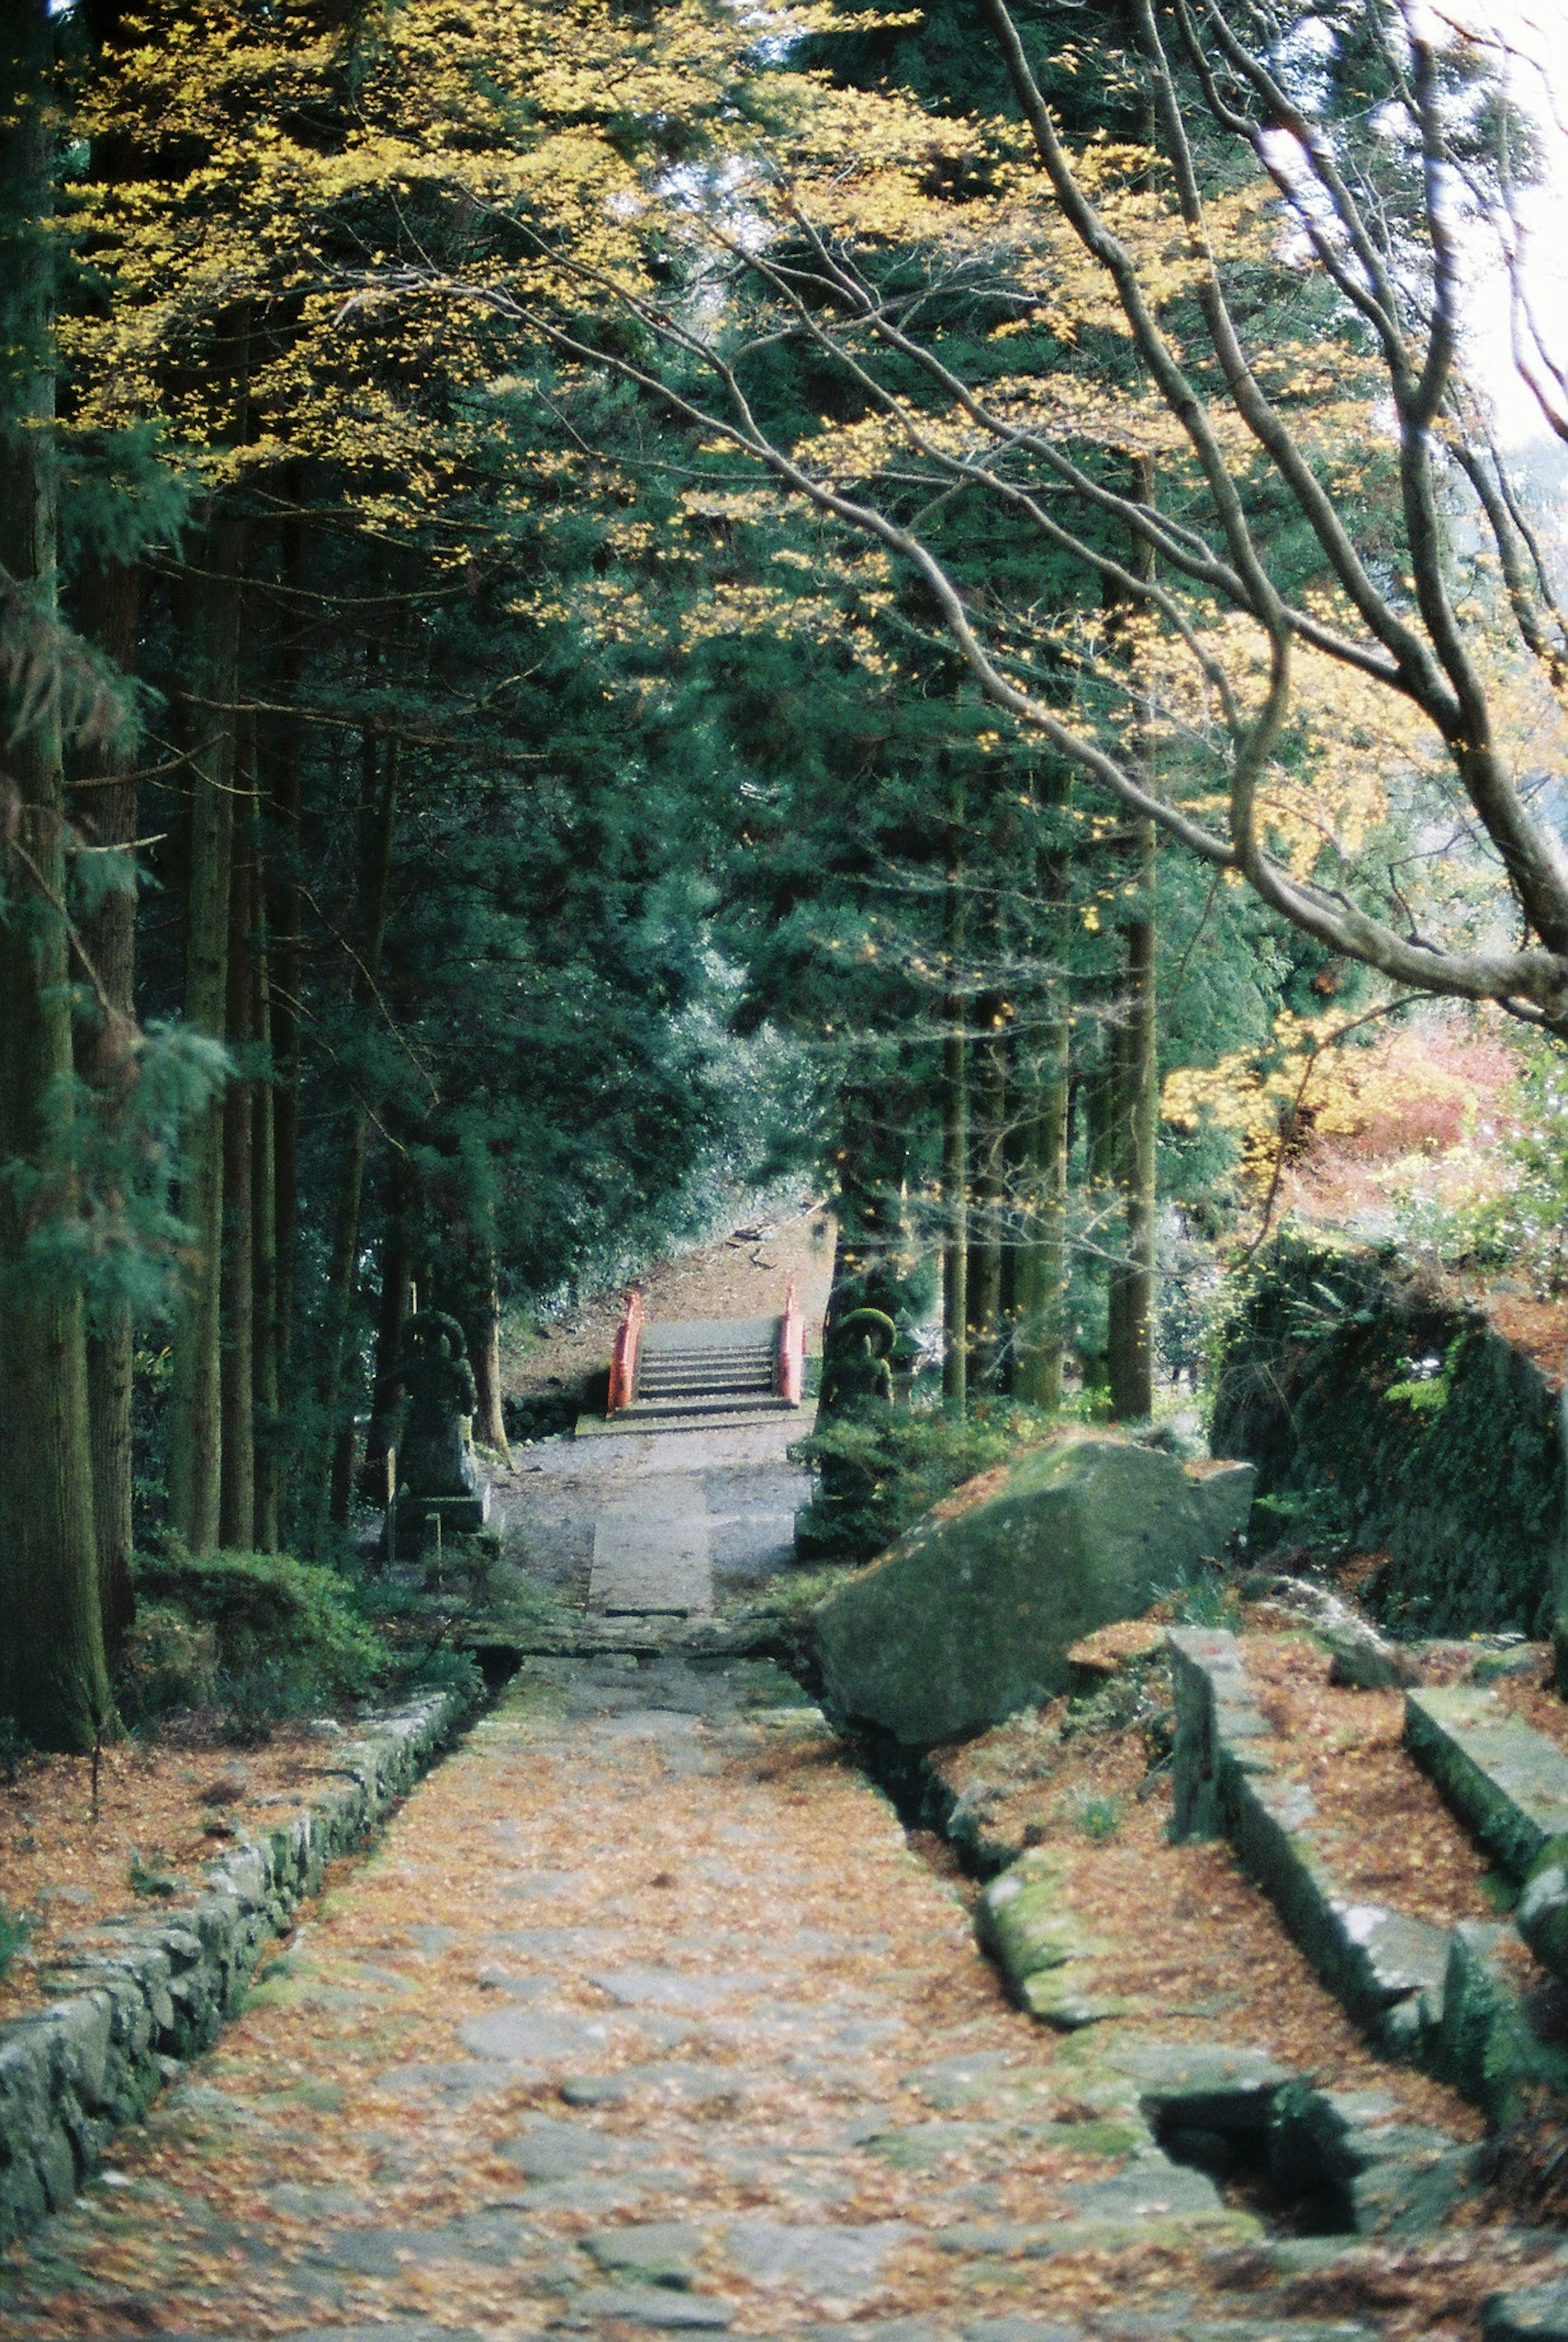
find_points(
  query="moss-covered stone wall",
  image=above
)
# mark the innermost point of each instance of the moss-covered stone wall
(1381, 1412)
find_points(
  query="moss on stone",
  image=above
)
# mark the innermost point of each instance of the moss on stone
(1313, 1385)
(970, 1617)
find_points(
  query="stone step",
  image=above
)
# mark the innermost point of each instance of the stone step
(709, 1403)
(753, 1346)
(691, 1415)
(703, 1385)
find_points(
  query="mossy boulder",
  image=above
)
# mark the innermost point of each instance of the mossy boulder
(970, 1616)
(1542, 1916)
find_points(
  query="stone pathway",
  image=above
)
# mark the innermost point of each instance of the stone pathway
(643, 2016)
(597, 1519)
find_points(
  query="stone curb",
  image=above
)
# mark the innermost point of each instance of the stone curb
(140, 1994)
(1386, 1968)
(1508, 1783)
(1353, 2149)
(1448, 2000)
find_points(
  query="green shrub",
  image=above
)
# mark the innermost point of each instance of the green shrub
(1201, 1597)
(286, 1634)
(168, 1661)
(444, 1669)
(151, 1875)
(880, 1471)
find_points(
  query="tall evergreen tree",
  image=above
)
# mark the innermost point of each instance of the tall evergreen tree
(51, 1626)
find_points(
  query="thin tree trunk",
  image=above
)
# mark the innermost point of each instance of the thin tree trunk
(285, 972)
(342, 1284)
(479, 1315)
(237, 1524)
(195, 1434)
(1044, 1261)
(52, 1676)
(1138, 1092)
(1096, 1093)
(267, 1356)
(393, 1311)
(379, 803)
(988, 1187)
(955, 1136)
(1137, 1100)
(106, 816)
(1044, 1278)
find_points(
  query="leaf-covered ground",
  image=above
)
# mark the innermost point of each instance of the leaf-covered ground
(644, 2014)
(164, 1808)
(1384, 1829)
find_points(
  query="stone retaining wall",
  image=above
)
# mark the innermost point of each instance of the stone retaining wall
(139, 1994)
(1382, 1411)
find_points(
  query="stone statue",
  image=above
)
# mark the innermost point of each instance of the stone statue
(437, 1476)
(856, 1372)
(432, 1368)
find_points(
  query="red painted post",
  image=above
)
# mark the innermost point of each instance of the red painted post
(792, 1350)
(624, 1356)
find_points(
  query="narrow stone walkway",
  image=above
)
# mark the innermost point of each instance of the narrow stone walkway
(643, 2016)
(652, 1555)
(673, 1520)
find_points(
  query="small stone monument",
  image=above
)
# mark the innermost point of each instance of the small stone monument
(856, 1372)
(437, 1478)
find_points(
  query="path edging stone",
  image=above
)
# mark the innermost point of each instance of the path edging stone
(139, 1995)
(1386, 1968)
(1448, 2000)
(1507, 1782)
(1385, 2177)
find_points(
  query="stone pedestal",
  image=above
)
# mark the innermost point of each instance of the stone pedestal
(412, 1519)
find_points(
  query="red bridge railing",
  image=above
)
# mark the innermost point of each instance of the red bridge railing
(792, 1350)
(624, 1356)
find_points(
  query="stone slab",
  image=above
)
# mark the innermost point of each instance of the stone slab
(661, 2307)
(1508, 1783)
(838, 2264)
(651, 2252)
(682, 1337)
(653, 1553)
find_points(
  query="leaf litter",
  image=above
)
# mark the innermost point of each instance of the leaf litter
(166, 1807)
